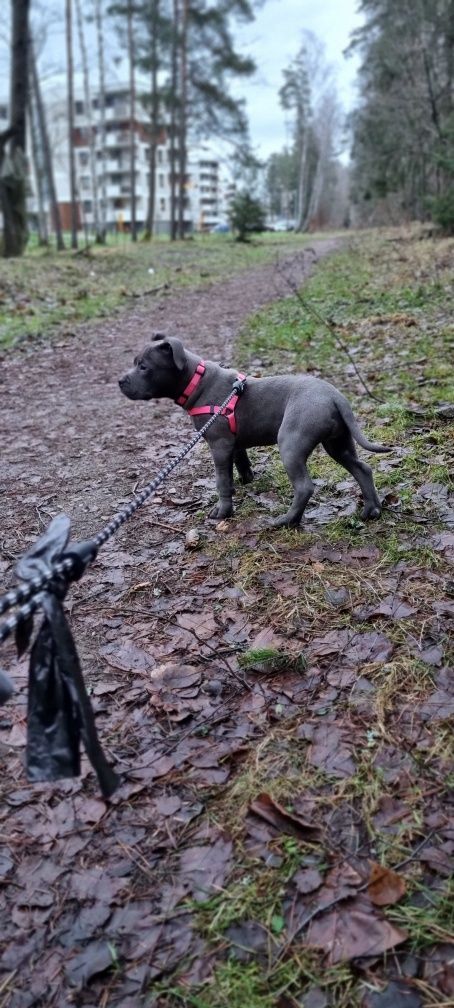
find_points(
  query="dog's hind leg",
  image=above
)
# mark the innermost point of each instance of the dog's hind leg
(343, 451)
(303, 487)
(243, 465)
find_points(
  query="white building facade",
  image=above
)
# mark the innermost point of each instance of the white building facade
(204, 203)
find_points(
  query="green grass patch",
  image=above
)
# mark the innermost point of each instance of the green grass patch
(46, 292)
(390, 307)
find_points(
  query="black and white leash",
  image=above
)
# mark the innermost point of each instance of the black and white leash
(72, 566)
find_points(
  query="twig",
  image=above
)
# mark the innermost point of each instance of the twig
(150, 291)
(330, 326)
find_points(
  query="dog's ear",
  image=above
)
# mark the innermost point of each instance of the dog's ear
(158, 335)
(174, 349)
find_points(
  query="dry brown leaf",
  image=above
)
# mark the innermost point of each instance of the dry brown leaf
(352, 930)
(287, 822)
(385, 885)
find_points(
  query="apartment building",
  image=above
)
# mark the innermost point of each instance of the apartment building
(208, 187)
(204, 205)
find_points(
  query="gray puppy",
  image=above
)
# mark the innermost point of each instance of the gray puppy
(297, 412)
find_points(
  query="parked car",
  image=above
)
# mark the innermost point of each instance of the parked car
(221, 228)
(283, 225)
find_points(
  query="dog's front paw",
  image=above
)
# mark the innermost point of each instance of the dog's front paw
(370, 512)
(221, 510)
(285, 522)
(246, 477)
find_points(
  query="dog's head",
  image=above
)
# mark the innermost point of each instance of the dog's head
(158, 372)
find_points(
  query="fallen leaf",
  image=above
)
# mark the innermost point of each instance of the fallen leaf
(175, 677)
(204, 868)
(127, 657)
(249, 940)
(352, 930)
(338, 597)
(96, 958)
(391, 607)
(439, 859)
(439, 967)
(286, 822)
(330, 643)
(203, 624)
(368, 648)
(307, 880)
(385, 885)
(396, 994)
(330, 752)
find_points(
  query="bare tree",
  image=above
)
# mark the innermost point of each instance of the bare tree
(12, 140)
(102, 115)
(183, 102)
(38, 163)
(154, 26)
(70, 85)
(132, 120)
(44, 144)
(309, 93)
(89, 117)
(173, 118)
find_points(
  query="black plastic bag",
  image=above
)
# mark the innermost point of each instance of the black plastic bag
(59, 709)
(6, 687)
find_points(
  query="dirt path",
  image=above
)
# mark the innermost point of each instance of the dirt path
(69, 437)
(82, 879)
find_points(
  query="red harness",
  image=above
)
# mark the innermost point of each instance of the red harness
(228, 411)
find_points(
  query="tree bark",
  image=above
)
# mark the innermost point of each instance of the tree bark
(46, 151)
(70, 99)
(182, 139)
(154, 117)
(132, 124)
(89, 115)
(38, 166)
(13, 192)
(173, 118)
(102, 116)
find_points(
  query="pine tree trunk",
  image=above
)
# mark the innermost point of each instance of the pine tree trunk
(102, 118)
(154, 118)
(182, 140)
(302, 181)
(46, 151)
(315, 194)
(173, 119)
(89, 115)
(38, 166)
(70, 100)
(13, 171)
(132, 124)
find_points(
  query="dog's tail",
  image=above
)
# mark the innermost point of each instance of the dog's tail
(351, 422)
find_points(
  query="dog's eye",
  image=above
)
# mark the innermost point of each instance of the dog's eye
(142, 366)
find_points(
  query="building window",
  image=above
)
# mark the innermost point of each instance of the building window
(83, 158)
(85, 182)
(162, 203)
(87, 206)
(161, 181)
(160, 156)
(79, 108)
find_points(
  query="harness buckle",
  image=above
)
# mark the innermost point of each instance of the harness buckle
(239, 384)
